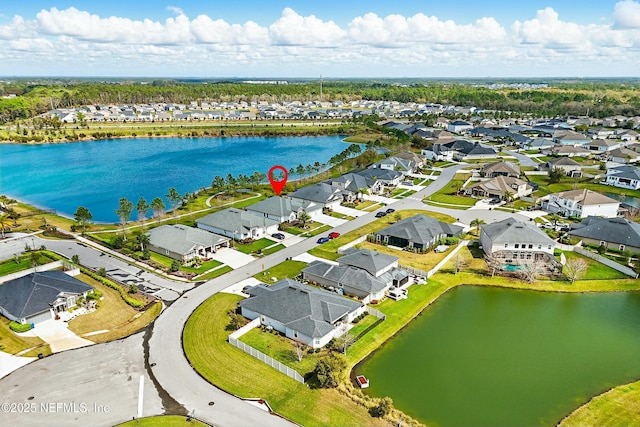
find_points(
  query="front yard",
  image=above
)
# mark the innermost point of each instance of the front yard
(113, 314)
(254, 246)
(12, 343)
(287, 269)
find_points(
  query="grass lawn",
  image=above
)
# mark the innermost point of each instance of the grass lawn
(319, 229)
(297, 230)
(113, 314)
(448, 195)
(420, 261)
(402, 193)
(12, 343)
(254, 246)
(568, 184)
(281, 348)
(619, 406)
(24, 262)
(596, 270)
(273, 249)
(215, 273)
(341, 216)
(164, 421)
(231, 369)
(288, 269)
(328, 250)
(166, 262)
(365, 204)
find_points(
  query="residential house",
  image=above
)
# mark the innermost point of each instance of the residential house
(386, 177)
(417, 159)
(321, 193)
(38, 296)
(458, 126)
(418, 231)
(614, 233)
(600, 133)
(516, 242)
(466, 150)
(499, 187)
(537, 144)
(627, 135)
(362, 273)
(569, 166)
(623, 155)
(581, 204)
(354, 186)
(284, 209)
(567, 151)
(302, 313)
(395, 164)
(238, 224)
(603, 145)
(492, 170)
(569, 137)
(184, 243)
(624, 177)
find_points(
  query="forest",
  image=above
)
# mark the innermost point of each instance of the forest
(596, 98)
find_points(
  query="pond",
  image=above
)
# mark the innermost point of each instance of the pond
(96, 174)
(627, 200)
(487, 356)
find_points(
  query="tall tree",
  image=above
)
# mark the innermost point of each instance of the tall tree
(575, 268)
(158, 207)
(82, 217)
(142, 207)
(231, 183)
(124, 213)
(217, 183)
(4, 223)
(143, 239)
(477, 223)
(174, 198)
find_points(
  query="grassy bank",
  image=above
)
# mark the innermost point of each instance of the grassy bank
(164, 421)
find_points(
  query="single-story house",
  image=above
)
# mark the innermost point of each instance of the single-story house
(474, 151)
(395, 164)
(38, 296)
(354, 186)
(517, 242)
(600, 133)
(494, 169)
(603, 145)
(623, 155)
(385, 176)
(567, 151)
(581, 204)
(321, 193)
(238, 224)
(499, 186)
(627, 134)
(284, 209)
(417, 159)
(615, 233)
(184, 243)
(569, 137)
(418, 231)
(569, 166)
(537, 144)
(458, 126)
(624, 177)
(301, 312)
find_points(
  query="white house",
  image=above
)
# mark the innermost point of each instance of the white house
(238, 224)
(458, 126)
(624, 177)
(581, 204)
(284, 209)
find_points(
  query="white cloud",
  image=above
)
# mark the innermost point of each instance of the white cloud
(627, 14)
(547, 29)
(206, 30)
(295, 30)
(175, 10)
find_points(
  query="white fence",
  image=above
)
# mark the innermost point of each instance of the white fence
(233, 340)
(377, 313)
(343, 248)
(606, 261)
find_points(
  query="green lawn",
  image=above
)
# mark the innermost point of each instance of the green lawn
(12, 343)
(619, 406)
(329, 250)
(166, 262)
(288, 269)
(254, 246)
(273, 249)
(215, 273)
(569, 183)
(448, 195)
(341, 216)
(297, 230)
(319, 229)
(596, 270)
(10, 265)
(164, 421)
(401, 193)
(231, 369)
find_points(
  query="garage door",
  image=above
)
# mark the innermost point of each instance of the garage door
(40, 317)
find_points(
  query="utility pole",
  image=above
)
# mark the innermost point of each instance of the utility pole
(320, 87)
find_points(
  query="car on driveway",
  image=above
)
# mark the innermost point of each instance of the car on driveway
(279, 236)
(334, 234)
(390, 210)
(381, 214)
(323, 240)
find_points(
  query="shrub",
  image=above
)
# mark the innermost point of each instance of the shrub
(175, 266)
(102, 272)
(602, 250)
(133, 289)
(118, 242)
(123, 294)
(329, 370)
(383, 407)
(146, 254)
(19, 327)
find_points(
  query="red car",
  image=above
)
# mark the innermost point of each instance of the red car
(334, 234)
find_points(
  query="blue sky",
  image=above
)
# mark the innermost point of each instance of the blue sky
(334, 38)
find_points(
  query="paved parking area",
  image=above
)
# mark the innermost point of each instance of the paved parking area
(56, 333)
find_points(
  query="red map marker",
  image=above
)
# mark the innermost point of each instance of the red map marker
(278, 185)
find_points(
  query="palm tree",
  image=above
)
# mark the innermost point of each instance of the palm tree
(124, 210)
(142, 207)
(218, 182)
(508, 196)
(4, 224)
(143, 239)
(477, 223)
(158, 206)
(304, 217)
(174, 198)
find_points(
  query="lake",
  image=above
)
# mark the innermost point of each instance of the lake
(96, 174)
(627, 200)
(482, 356)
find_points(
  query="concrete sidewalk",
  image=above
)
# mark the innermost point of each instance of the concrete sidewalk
(56, 333)
(9, 362)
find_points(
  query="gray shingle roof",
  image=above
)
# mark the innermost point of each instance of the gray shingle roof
(354, 182)
(349, 276)
(283, 206)
(35, 292)
(629, 172)
(501, 167)
(320, 193)
(381, 174)
(308, 310)
(420, 229)
(513, 231)
(368, 260)
(620, 231)
(235, 220)
(182, 239)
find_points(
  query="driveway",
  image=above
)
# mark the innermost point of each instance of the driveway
(232, 257)
(329, 220)
(56, 333)
(349, 211)
(9, 362)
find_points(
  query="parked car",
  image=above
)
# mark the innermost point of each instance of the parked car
(381, 214)
(278, 235)
(323, 240)
(334, 234)
(390, 210)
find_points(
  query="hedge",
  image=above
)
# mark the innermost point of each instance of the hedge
(123, 294)
(19, 327)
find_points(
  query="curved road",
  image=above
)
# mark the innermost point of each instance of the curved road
(175, 374)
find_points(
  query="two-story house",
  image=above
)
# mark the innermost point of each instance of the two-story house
(581, 204)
